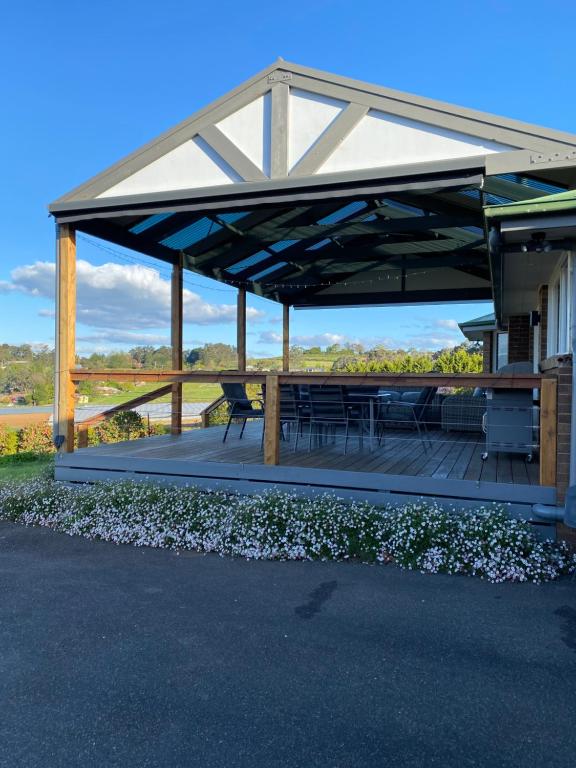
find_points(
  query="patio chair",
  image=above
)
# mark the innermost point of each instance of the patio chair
(241, 407)
(328, 408)
(412, 413)
(292, 411)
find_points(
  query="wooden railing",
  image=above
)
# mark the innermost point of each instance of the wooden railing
(205, 412)
(83, 426)
(546, 385)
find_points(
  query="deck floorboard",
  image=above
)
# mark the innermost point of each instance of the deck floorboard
(453, 456)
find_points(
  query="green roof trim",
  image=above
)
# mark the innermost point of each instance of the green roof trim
(562, 201)
(487, 320)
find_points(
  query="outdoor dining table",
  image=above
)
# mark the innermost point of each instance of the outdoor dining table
(370, 400)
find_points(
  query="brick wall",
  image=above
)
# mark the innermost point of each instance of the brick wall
(560, 366)
(519, 339)
(487, 339)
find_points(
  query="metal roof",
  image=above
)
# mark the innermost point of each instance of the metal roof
(560, 202)
(488, 320)
(418, 239)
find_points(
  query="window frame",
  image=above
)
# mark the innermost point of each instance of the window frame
(559, 340)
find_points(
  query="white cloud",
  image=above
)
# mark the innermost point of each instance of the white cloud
(319, 340)
(269, 337)
(125, 337)
(126, 297)
(451, 324)
(46, 313)
(431, 341)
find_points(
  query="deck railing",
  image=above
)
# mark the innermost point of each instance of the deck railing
(547, 387)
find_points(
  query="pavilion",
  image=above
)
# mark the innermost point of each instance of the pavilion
(314, 190)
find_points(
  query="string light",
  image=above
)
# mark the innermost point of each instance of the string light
(380, 278)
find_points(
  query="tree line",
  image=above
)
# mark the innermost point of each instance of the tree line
(30, 370)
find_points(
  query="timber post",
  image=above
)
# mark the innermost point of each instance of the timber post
(241, 329)
(176, 332)
(65, 352)
(285, 337)
(272, 421)
(548, 431)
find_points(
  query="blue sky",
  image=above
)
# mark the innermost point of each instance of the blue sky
(84, 84)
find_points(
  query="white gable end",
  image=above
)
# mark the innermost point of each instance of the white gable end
(249, 129)
(309, 115)
(381, 140)
(192, 164)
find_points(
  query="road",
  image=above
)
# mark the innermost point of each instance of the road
(154, 410)
(118, 656)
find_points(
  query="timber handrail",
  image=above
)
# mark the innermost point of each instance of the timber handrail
(205, 412)
(273, 379)
(84, 425)
(484, 380)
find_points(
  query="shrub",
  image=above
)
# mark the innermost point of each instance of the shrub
(36, 438)
(8, 441)
(486, 543)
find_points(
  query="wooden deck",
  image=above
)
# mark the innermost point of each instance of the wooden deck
(451, 469)
(453, 455)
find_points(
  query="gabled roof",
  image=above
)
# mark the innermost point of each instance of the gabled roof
(486, 321)
(290, 121)
(474, 329)
(313, 190)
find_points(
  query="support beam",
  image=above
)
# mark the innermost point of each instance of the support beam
(285, 337)
(241, 329)
(176, 332)
(272, 421)
(65, 337)
(548, 431)
(332, 137)
(236, 159)
(279, 131)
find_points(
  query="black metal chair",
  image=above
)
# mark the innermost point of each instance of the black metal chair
(241, 407)
(292, 411)
(328, 408)
(411, 413)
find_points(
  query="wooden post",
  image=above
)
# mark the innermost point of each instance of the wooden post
(82, 433)
(65, 337)
(548, 431)
(176, 331)
(272, 423)
(285, 337)
(241, 329)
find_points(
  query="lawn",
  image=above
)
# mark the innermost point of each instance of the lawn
(24, 466)
(193, 393)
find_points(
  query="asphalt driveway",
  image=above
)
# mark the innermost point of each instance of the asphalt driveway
(116, 656)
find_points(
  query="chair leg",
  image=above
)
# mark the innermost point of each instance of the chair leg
(243, 428)
(420, 434)
(226, 430)
(298, 433)
(346, 436)
(310, 437)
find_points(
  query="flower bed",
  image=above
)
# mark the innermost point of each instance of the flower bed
(486, 543)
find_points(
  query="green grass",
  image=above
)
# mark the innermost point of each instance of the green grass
(24, 466)
(193, 393)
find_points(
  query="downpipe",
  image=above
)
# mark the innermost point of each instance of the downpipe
(565, 514)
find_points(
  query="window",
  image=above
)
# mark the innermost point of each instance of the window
(559, 309)
(500, 350)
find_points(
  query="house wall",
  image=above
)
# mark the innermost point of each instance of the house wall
(520, 344)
